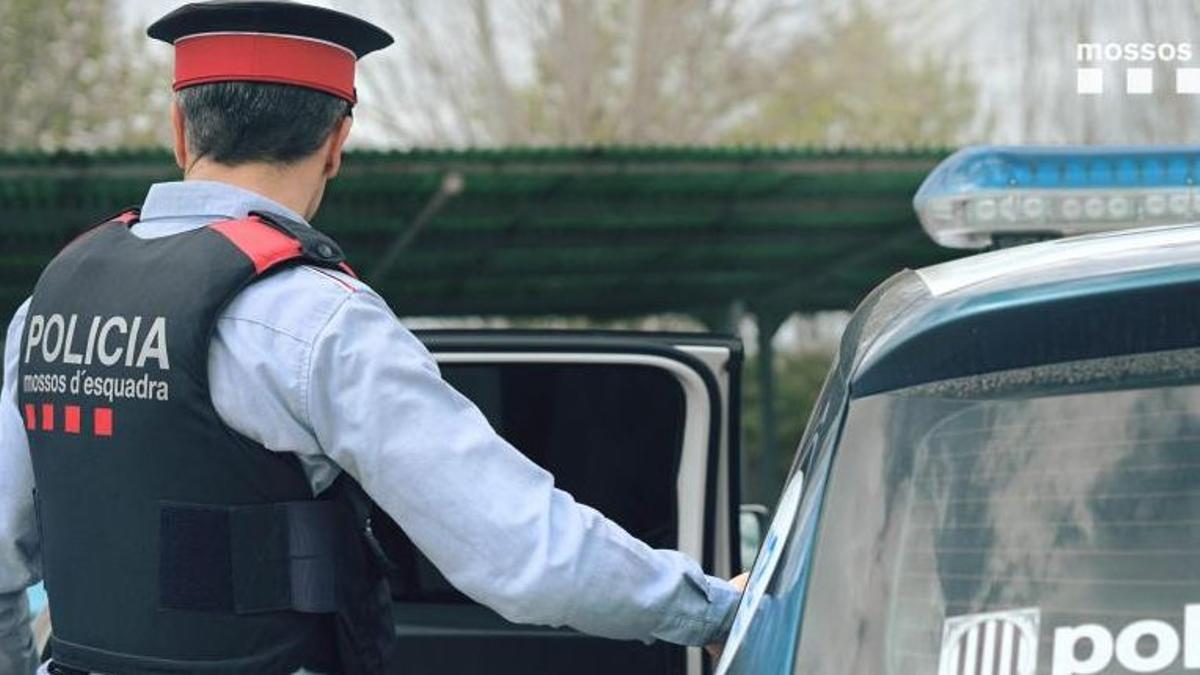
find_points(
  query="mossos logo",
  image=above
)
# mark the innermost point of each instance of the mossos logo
(1006, 643)
(1139, 74)
(1001, 643)
(1133, 51)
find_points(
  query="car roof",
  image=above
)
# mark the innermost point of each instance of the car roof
(1072, 258)
(1124, 292)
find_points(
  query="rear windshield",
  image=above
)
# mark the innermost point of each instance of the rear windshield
(1057, 534)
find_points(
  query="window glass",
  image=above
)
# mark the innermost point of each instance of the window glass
(1049, 534)
(611, 435)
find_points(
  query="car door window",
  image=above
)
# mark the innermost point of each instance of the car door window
(610, 434)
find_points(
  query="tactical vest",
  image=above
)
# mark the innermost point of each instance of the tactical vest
(171, 543)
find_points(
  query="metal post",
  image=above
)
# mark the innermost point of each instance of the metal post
(452, 184)
(737, 311)
(768, 324)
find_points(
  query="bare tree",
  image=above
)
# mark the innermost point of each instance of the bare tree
(572, 71)
(72, 78)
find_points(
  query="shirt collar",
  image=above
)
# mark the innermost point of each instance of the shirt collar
(205, 201)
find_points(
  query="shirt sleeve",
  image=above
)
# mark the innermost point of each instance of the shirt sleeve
(20, 565)
(487, 517)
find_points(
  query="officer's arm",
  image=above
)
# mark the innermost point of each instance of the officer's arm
(487, 517)
(18, 529)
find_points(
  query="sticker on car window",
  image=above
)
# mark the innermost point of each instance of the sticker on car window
(1006, 643)
(1003, 643)
(764, 568)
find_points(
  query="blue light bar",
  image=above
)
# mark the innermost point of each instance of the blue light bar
(980, 193)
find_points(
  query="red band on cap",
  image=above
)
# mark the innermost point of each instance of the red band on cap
(253, 57)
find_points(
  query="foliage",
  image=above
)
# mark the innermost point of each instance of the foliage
(852, 83)
(798, 381)
(539, 72)
(521, 72)
(72, 78)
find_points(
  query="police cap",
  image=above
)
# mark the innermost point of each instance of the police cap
(273, 41)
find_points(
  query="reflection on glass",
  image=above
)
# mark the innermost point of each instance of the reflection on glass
(977, 536)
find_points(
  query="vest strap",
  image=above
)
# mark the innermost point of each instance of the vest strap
(269, 239)
(127, 217)
(264, 245)
(250, 559)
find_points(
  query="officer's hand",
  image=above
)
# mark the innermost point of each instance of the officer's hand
(715, 649)
(739, 582)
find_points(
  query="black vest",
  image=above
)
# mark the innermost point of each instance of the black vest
(171, 543)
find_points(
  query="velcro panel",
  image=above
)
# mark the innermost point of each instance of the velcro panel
(251, 559)
(284, 557)
(194, 570)
(261, 578)
(315, 530)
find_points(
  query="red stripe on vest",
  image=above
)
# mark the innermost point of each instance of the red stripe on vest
(71, 419)
(263, 244)
(102, 421)
(30, 417)
(47, 417)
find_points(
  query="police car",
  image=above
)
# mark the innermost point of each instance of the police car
(1002, 473)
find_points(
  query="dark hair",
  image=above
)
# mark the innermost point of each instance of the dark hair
(237, 122)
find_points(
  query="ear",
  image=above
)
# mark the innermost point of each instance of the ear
(179, 125)
(337, 141)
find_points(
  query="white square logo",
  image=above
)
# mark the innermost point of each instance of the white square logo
(1187, 80)
(1139, 81)
(1002, 643)
(1089, 80)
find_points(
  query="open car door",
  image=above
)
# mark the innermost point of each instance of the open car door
(643, 427)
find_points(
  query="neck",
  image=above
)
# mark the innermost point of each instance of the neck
(289, 185)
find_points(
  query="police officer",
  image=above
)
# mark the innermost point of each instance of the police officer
(208, 402)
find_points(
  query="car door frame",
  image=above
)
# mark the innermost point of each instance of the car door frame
(691, 358)
(461, 346)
